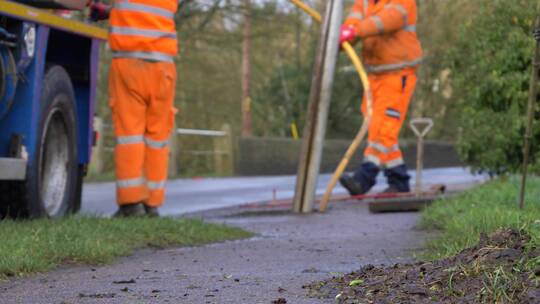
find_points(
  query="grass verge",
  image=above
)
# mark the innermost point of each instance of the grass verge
(28, 247)
(481, 210)
(466, 219)
(486, 251)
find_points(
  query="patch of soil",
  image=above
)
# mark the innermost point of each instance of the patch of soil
(487, 273)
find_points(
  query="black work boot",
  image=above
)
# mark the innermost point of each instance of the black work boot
(151, 211)
(130, 210)
(391, 189)
(352, 185)
(362, 181)
(398, 179)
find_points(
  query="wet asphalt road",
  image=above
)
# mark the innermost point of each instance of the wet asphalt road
(194, 195)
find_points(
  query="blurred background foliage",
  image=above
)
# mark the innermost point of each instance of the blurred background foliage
(473, 82)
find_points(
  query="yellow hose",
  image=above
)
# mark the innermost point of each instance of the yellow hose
(347, 47)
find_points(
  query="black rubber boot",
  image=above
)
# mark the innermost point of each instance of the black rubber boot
(363, 180)
(391, 189)
(352, 185)
(131, 210)
(151, 211)
(398, 179)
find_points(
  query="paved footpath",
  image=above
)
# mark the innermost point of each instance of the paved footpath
(288, 252)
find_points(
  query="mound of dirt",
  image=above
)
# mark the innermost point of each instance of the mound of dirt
(491, 272)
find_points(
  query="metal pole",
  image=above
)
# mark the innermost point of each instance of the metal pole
(530, 115)
(419, 164)
(320, 97)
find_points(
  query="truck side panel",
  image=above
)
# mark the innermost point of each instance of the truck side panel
(24, 115)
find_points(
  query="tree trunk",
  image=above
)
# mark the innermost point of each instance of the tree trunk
(247, 128)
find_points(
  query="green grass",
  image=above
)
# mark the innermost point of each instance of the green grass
(28, 247)
(482, 210)
(485, 209)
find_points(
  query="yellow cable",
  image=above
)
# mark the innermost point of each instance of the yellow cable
(313, 13)
(347, 47)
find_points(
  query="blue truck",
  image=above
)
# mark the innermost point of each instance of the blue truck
(48, 77)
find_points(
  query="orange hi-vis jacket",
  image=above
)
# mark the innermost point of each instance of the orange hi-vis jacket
(388, 31)
(144, 29)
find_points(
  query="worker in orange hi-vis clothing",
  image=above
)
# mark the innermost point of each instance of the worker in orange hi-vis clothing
(142, 84)
(391, 52)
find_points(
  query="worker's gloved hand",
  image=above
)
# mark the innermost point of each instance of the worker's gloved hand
(347, 34)
(99, 11)
(537, 34)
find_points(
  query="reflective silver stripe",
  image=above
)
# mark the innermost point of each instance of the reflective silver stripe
(410, 28)
(144, 8)
(377, 146)
(391, 67)
(156, 143)
(372, 159)
(378, 22)
(129, 183)
(156, 185)
(128, 140)
(401, 9)
(156, 56)
(356, 15)
(366, 3)
(394, 163)
(381, 148)
(393, 113)
(119, 30)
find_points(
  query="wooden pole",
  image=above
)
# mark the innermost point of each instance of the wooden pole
(247, 128)
(361, 134)
(420, 133)
(533, 90)
(223, 154)
(319, 103)
(228, 147)
(367, 119)
(173, 153)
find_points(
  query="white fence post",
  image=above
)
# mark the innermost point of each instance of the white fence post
(173, 154)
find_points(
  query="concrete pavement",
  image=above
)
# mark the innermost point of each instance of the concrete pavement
(288, 252)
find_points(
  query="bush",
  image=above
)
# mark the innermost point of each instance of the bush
(285, 96)
(491, 63)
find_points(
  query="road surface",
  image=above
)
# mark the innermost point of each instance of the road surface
(195, 195)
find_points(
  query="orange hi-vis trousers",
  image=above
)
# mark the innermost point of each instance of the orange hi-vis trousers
(141, 100)
(392, 93)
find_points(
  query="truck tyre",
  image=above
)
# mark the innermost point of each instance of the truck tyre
(52, 178)
(77, 200)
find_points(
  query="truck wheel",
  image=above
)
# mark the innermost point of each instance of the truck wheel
(53, 174)
(77, 200)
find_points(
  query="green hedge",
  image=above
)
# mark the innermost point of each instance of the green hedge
(491, 66)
